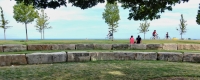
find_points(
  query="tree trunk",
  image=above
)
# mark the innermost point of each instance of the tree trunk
(4, 34)
(43, 33)
(144, 35)
(26, 32)
(112, 33)
(181, 37)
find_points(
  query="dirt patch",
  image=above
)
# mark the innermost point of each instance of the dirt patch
(177, 78)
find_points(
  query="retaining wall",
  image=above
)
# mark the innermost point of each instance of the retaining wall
(78, 56)
(40, 47)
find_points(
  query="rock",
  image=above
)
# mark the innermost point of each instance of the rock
(39, 58)
(170, 56)
(137, 46)
(125, 55)
(170, 46)
(1, 48)
(39, 47)
(184, 46)
(63, 46)
(146, 56)
(102, 46)
(191, 57)
(154, 46)
(120, 46)
(102, 56)
(14, 47)
(18, 59)
(84, 47)
(78, 56)
(5, 60)
(59, 56)
(195, 47)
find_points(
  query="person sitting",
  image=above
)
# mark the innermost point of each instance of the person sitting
(131, 40)
(109, 34)
(167, 35)
(139, 39)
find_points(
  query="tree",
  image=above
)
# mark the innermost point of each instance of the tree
(41, 23)
(144, 27)
(182, 26)
(138, 9)
(24, 14)
(198, 16)
(4, 23)
(111, 16)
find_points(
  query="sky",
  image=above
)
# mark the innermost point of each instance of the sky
(74, 23)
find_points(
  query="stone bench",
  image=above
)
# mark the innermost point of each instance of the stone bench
(12, 59)
(191, 57)
(14, 47)
(170, 56)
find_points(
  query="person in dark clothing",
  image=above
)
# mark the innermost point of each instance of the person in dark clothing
(139, 39)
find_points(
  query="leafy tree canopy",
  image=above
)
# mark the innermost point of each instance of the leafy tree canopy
(138, 9)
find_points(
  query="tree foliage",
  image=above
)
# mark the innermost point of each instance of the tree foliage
(144, 27)
(24, 14)
(41, 23)
(111, 16)
(182, 26)
(198, 16)
(4, 23)
(138, 9)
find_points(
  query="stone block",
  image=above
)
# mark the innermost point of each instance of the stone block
(84, 47)
(78, 56)
(1, 48)
(63, 46)
(14, 47)
(18, 59)
(170, 56)
(120, 46)
(154, 46)
(5, 60)
(191, 57)
(146, 56)
(184, 46)
(170, 46)
(137, 46)
(39, 47)
(39, 58)
(102, 56)
(102, 46)
(124, 55)
(59, 56)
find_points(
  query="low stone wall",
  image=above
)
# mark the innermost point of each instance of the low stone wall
(45, 47)
(79, 56)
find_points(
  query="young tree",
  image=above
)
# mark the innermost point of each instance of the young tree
(144, 27)
(111, 16)
(4, 23)
(41, 23)
(182, 26)
(198, 16)
(24, 14)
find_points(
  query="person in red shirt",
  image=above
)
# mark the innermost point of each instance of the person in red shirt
(131, 40)
(154, 34)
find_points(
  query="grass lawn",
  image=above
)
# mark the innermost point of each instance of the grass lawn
(95, 41)
(103, 70)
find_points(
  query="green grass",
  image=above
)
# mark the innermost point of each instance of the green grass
(101, 70)
(95, 41)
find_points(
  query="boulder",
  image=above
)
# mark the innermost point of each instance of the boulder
(39, 47)
(191, 57)
(102, 46)
(170, 46)
(102, 56)
(84, 47)
(78, 56)
(18, 59)
(124, 55)
(14, 47)
(1, 48)
(154, 46)
(137, 46)
(120, 46)
(184, 46)
(63, 46)
(59, 56)
(170, 56)
(146, 56)
(39, 58)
